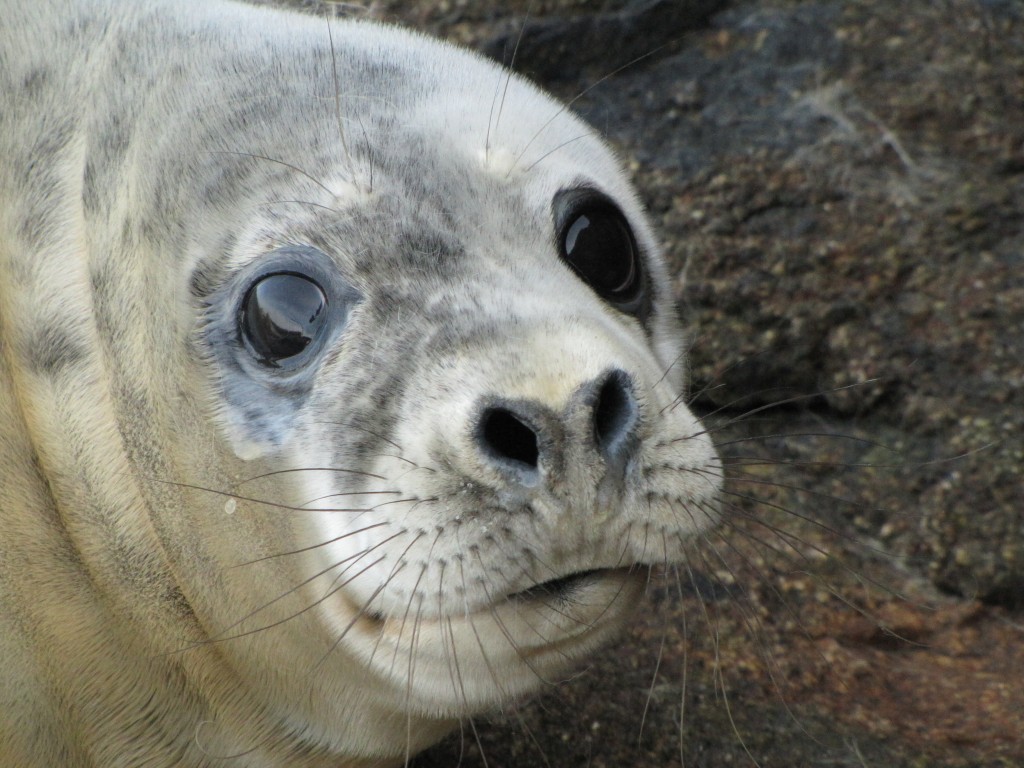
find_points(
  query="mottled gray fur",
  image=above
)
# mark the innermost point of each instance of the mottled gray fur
(202, 556)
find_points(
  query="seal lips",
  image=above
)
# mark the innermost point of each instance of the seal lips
(560, 588)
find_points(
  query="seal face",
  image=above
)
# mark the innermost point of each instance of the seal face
(336, 402)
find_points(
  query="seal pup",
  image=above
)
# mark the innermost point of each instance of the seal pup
(341, 390)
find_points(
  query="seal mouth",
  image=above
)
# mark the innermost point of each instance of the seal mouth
(559, 588)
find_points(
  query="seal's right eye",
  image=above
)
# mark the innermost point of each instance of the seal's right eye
(281, 315)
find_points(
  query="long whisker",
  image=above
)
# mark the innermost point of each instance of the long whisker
(568, 105)
(285, 164)
(504, 91)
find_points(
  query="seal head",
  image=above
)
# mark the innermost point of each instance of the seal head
(342, 389)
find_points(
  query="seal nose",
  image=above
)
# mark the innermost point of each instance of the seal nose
(615, 418)
(602, 418)
(508, 438)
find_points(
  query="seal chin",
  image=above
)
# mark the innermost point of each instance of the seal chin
(502, 652)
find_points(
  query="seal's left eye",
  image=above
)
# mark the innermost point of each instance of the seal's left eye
(595, 241)
(281, 315)
(598, 245)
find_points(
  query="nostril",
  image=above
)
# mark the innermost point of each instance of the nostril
(509, 438)
(615, 414)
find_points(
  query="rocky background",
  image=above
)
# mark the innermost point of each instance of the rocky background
(840, 190)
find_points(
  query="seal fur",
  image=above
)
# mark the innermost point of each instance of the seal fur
(329, 561)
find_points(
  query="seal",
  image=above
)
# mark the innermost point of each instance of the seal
(341, 390)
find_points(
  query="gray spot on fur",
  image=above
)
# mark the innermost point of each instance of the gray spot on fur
(53, 349)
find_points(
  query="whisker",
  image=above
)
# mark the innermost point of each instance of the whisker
(310, 548)
(685, 670)
(261, 502)
(290, 166)
(219, 638)
(552, 151)
(504, 91)
(339, 470)
(408, 607)
(337, 100)
(718, 673)
(568, 105)
(361, 613)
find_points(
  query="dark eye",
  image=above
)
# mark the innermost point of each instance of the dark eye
(597, 243)
(281, 316)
